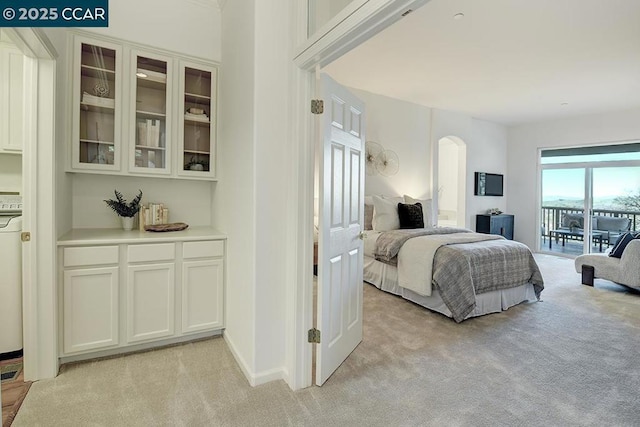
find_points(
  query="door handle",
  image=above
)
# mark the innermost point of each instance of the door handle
(362, 235)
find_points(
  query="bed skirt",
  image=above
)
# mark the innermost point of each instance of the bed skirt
(385, 277)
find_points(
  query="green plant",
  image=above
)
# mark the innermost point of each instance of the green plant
(194, 161)
(122, 208)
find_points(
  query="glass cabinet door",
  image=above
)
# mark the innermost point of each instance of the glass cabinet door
(96, 127)
(197, 124)
(151, 83)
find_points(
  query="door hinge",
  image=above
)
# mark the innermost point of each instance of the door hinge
(317, 106)
(25, 236)
(314, 336)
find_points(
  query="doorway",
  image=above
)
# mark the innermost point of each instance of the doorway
(451, 185)
(38, 213)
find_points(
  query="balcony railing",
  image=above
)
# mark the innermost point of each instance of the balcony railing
(552, 217)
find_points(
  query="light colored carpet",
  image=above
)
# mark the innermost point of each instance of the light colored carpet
(571, 360)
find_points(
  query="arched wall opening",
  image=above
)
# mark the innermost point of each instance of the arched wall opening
(451, 183)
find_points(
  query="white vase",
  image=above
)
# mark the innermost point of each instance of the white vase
(127, 223)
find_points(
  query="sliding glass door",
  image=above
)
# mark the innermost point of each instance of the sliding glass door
(563, 206)
(590, 196)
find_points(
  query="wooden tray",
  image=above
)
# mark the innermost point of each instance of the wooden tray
(175, 226)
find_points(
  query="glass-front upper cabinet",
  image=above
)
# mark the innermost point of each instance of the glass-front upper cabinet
(150, 126)
(97, 105)
(197, 135)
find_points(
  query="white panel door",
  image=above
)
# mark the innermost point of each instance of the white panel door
(90, 307)
(341, 212)
(202, 295)
(150, 301)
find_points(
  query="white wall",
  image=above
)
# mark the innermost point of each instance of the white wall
(187, 201)
(486, 152)
(403, 127)
(524, 142)
(11, 172)
(189, 27)
(235, 202)
(272, 88)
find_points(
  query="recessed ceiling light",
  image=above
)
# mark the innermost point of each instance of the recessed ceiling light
(458, 16)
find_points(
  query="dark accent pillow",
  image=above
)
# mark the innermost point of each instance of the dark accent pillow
(622, 243)
(410, 215)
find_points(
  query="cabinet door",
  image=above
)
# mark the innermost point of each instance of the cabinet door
(90, 309)
(150, 105)
(96, 105)
(202, 295)
(196, 122)
(11, 99)
(150, 301)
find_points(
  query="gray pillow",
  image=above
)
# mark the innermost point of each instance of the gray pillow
(609, 223)
(368, 217)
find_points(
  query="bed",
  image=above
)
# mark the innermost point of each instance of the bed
(455, 272)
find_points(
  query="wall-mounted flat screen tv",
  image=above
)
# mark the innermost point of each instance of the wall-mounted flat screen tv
(488, 184)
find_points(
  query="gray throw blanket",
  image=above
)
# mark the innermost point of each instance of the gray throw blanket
(389, 243)
(462, 271)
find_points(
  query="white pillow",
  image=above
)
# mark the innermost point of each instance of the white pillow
(385, 214)
(427, 209)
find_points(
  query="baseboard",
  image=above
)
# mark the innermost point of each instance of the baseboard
(254, 379)
(156, 345)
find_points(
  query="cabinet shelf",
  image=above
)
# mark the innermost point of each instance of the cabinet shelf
(197, 152)
(150, 114)
(151, 83)
(91, 71)
(96, 108)
(92, 141)
(194, 97)
(198, 122)
(146, 147)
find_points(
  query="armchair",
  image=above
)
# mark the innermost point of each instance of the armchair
(624, 270)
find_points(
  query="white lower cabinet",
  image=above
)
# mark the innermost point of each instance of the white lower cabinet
(202, 295)
(150, 301)
(90, 313)
(150, 292)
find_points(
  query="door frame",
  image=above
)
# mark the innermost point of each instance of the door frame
(39, 300)
(311, 53)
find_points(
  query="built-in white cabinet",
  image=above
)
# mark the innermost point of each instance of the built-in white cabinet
(122, 294)
(142, 112)
(150, 291)
(11, 99)
(202, 286)
(90, 298)
(97, 106)
(196, 125)
(150, 110)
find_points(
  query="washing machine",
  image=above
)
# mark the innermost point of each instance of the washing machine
(10, 276)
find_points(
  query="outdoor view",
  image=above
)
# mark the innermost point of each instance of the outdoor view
(613, 188)
(616, 196)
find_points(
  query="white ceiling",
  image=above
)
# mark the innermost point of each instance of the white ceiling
(506, 61)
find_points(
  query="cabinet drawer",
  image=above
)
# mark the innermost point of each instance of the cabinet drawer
(206, 249)
(153, 252)
(92, 255)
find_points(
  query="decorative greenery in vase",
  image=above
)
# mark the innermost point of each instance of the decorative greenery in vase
(197, 164)
(122, 208)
